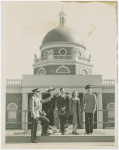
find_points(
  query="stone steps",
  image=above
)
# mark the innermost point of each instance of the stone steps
(99, 135)
(64, 138)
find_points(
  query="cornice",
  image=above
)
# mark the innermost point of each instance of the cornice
(61, 44)
(66, 62)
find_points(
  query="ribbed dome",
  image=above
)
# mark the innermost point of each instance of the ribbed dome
(61, 34)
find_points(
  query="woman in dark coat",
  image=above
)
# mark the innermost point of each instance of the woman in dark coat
(75, 111)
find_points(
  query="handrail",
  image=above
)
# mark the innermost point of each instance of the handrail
(25, 122)
(96, 110)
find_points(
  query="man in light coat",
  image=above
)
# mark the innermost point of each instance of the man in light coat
(89, 108)
(37, 115)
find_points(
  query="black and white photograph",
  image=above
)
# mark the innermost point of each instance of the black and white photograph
(59, 74)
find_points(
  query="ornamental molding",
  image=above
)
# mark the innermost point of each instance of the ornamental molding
(41, 69)
(61, 44)
(61, 50)
(63, 67)
(110, 104)
(83, 69)
(12, 104)
(49, 51)
(45, 52)
(59, 63)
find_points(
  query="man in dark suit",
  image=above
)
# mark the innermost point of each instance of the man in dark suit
(50, 106)
(89, 108)
(63, 105)
(37, 115)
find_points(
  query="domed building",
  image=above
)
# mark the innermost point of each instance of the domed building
(62, 52)
(62, 64)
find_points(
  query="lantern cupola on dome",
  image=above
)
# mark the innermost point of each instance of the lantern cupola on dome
(62, 18)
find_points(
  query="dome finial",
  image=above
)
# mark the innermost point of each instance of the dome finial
(62, 18)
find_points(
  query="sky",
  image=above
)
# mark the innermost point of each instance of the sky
(24, 25)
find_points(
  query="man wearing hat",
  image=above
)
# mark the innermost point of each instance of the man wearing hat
(89, 108)
(49, 106)
(37, 115)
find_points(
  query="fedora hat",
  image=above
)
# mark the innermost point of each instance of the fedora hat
(50, 89)
(36, 90)
(62, 112)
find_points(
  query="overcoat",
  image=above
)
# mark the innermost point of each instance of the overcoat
(76, 113)
(63, 102)
(89, 102)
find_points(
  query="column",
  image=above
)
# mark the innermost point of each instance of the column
(24, 113)
(99, 113)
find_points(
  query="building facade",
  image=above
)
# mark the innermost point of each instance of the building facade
(63, 63)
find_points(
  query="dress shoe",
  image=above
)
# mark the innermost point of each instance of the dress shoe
(48, 133)
(75, 133)
(63, 133)
(90, 133)
(35, 141)
(86, 133)
(45, 134)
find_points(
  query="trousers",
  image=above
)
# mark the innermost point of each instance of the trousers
(89, 122)
(62, 123)
(50, 116)
(44, 123)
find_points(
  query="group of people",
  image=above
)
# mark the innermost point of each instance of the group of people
(68, 106)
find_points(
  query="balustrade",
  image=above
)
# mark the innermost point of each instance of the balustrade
(40, 59)
(13, 82)
(62, 57)
(25, 122)
(108, 82)
(84, 59)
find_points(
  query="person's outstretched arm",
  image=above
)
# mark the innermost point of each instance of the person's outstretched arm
(46, 100)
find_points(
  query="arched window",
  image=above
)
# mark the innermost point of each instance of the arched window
(41, 71)
(62, 51)
(46, 53)
(62, 69)
(62, 20)
(111, 112)
(79, 53)
(83, 72)
(12, 112)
